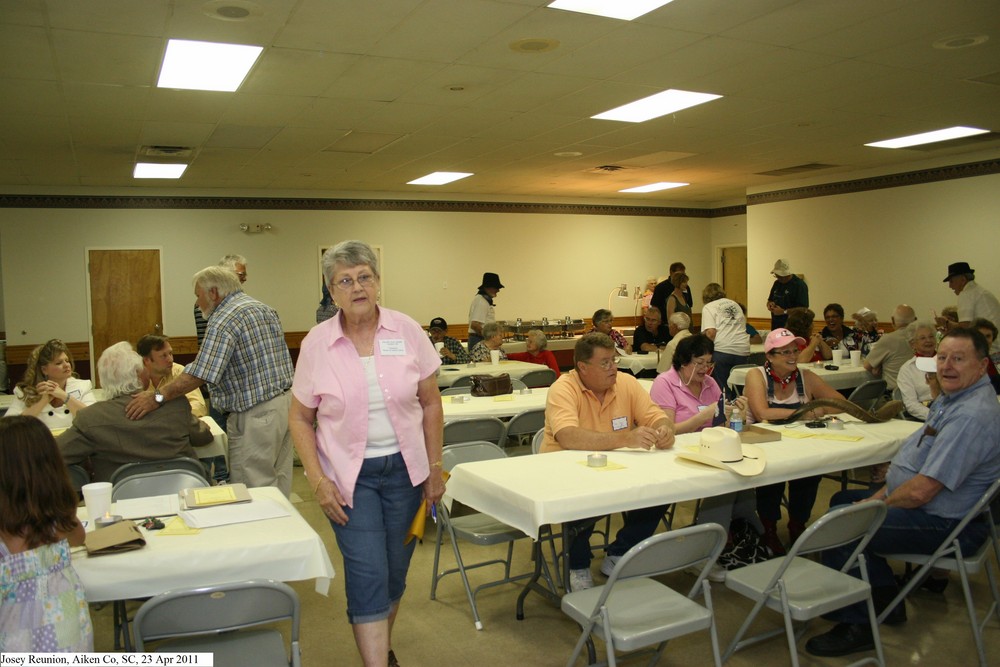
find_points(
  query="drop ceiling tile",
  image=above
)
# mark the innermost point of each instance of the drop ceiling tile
(93, 57)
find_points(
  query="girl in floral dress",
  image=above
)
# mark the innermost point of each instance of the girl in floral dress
(42, 608)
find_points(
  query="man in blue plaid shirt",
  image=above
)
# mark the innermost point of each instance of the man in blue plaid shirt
(245, 361)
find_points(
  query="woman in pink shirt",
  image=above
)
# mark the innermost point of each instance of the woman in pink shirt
(366, 379)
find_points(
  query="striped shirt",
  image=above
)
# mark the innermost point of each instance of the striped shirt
(244, 357)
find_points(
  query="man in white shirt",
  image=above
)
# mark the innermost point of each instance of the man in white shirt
(973, 301)
(890, 352)
(723, 321)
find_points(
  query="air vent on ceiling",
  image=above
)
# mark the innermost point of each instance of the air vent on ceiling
(797, 169)
(166, 151)
(607, 169)
(991, 79)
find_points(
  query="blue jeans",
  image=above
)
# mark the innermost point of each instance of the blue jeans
(639, 524)
(903, 531)
(375, 558)
(801, 498)
(724, 363)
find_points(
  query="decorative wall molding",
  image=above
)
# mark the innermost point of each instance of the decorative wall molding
(922, 176)
(320, 204)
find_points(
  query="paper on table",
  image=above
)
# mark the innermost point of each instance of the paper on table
(260, 509)
(215, 495)
(176, 526)
(504, 397)
(140, 508)
(802, 435)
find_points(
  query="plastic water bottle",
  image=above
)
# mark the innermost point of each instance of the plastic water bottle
(736, 420)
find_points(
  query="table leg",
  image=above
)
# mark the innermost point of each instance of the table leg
(541, 569)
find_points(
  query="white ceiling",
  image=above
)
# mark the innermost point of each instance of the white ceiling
(357, 95)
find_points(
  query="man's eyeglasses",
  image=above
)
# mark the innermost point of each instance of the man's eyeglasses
(347, 283)
(607, 364)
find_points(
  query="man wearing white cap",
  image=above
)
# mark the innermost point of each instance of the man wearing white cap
(788, 291)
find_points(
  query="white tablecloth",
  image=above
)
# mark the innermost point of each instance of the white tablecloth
(846, 377)
(448, 373)
(636, 363)
(220, 441)
(286, 549)
(528, 492)
(501, 407)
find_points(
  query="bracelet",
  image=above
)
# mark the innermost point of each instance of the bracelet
(436, 464)
(318, 484)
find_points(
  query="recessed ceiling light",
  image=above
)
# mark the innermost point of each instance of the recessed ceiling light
(568, 154)
(960, 42)
(653, 187)
(206, 65)
(929, 137)
(615, 9)
(439, 178)
(656, 105)
(534, 45)
(155, 170)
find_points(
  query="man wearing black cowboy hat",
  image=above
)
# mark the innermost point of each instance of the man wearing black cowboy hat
(973, 301)
(481, 311)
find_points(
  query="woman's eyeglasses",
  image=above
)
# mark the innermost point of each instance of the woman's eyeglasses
(347, 283)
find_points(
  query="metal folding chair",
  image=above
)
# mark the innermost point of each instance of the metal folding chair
(802, 589)
(541, 378)
(456, 391)
(159, 483)
(524, 425)
(490, 429)
(179, 463)
(217, 620)
(633, 611)
(949, 556)
(477, 528)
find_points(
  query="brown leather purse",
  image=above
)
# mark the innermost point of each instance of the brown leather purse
(491, 385)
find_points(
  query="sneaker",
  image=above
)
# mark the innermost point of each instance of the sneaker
(608, 566)
(717, 574)
(580, 580)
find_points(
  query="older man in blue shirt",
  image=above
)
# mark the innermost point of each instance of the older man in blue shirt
(936, 477)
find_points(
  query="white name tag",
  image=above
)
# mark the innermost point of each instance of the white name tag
(619, 423)
(392, 348)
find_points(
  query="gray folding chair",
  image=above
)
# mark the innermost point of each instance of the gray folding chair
(868, 395)
(457, 391)
(543, 377)
(216, 619)
(524, 425)
(477, 528)
(802, 589)
(477, 428)
(633, 611)
(179, 463)
(949, 556)
(78, 476)
(738, 389)
(536, 442)
(517, 385)
(464, 381)
(160, 483)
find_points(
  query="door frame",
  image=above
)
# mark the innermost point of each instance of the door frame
(90, 313)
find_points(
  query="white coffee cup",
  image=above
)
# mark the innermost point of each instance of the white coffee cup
(855, 357)
(438, 347)
(495, 357)
(835, 359)
(97, 497)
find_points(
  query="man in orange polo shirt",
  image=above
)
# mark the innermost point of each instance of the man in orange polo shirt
(596, 408)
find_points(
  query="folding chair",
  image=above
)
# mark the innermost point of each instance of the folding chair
(949, 556)
(633, 611)
(802, 589)
(78, 476)
(456, 391)
(477, 528)
(517, 385)
(215, 619)
(159, 483)
(464, 381)
(523, 425)
(179, 463)
(868, 395)
(477, 428)
(737, 389)
(541, 378)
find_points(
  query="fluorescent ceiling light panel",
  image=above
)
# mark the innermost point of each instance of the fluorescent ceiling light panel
(206, 65)
(154, 170)
(654, 187)
(614, 9)
(439, 178)
(656, 105)
(929, 137)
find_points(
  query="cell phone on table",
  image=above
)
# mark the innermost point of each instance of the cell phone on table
(816, 424)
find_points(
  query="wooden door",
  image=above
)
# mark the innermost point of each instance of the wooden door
(734, 273)
(125, 298)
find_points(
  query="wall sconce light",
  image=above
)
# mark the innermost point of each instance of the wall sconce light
(255, 229)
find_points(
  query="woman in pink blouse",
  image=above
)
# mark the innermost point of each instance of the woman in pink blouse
(366, 379)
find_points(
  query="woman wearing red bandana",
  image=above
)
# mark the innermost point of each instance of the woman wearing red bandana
(775, 392)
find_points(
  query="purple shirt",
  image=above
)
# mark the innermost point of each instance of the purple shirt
(330, 378)
(670, 394)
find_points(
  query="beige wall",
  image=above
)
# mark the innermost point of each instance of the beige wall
(552, 265)
(879, 248)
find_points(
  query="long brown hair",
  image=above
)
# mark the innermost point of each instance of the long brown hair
(42, 355)
(37, 500)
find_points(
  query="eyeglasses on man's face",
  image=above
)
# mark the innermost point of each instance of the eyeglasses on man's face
(607, 364)
(364, 280)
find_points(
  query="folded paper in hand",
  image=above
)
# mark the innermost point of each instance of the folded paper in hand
(118, 537)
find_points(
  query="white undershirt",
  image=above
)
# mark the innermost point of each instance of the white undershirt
(381, 435)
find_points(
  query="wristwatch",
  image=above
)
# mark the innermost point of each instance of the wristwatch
(158, 397)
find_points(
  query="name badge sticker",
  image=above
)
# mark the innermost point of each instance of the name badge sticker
(619, 423)
(392, 347)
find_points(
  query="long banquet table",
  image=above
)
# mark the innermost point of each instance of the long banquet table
(845, 377)
(501, 406)
(449, 373)
(284, 548)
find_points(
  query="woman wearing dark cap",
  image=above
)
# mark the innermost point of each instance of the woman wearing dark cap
(481, 311)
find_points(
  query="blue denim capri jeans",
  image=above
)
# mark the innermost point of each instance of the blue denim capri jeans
(375, 558)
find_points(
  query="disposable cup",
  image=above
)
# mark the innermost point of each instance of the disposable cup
(855, 357)
(97, 497)
(438, 346)
(495, 357)
(835, 359)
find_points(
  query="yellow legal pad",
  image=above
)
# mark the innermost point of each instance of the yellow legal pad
(802, 435)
